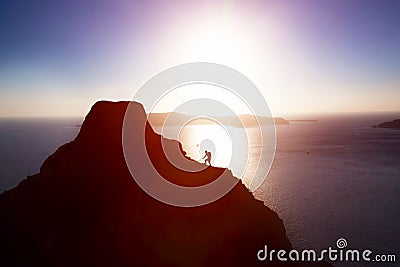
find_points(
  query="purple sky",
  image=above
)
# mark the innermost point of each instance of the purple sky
(58, 57)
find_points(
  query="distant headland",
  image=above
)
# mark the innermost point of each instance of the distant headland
(395, 124)
(244, 120)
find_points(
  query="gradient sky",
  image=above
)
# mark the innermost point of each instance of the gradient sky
(58, 57)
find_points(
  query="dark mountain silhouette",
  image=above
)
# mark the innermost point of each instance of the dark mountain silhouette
(84, 209)
(395, 124)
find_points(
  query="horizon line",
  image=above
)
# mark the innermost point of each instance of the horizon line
(282, 115)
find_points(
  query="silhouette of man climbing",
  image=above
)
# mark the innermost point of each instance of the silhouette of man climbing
(207, 157)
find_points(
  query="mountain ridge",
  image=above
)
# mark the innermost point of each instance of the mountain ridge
(84, 208)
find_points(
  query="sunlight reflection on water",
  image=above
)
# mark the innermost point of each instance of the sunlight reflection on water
(196, 139)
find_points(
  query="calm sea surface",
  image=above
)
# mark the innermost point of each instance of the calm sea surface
(347, 186)
(26, 143)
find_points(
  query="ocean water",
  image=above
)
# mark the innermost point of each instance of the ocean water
(26, 143)
(347, 186)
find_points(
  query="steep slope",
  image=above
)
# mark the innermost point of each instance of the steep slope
(84, 209)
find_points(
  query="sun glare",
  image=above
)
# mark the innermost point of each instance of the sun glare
(258, 53)
(178, 96)
(212, 137)
(221, 38)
